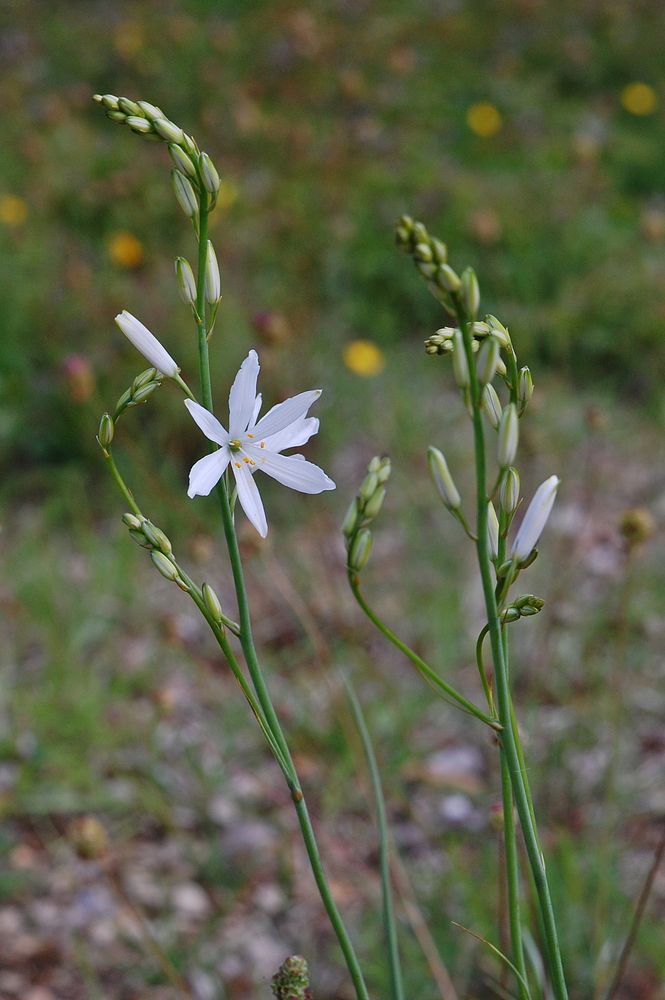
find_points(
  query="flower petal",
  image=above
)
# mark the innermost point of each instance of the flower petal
(296, 434)
(258, 402)
(208, 423)
(242, 397)
(291, 470)
(206, 473)
(285, 413)
(147, 344)
(249, 497)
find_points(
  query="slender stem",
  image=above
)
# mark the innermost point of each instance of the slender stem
(428, 673)
(389, 924)
(508, 736)
(512, 875)
(122, 486)
(247, 641)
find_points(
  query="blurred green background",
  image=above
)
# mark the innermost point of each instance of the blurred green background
(530, 137)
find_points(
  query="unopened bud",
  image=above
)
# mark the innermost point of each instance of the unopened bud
(470, 292)
(157, 538)
(508, 436)
(460, 363)
(136, 535)
(423, 253)
(132, 521)
(448, 279)
(374, 464)
(168, 130)
(106, 430)
(492, 530)
(488, 359)
(350, 522)
(509, 493)
(150, 110)
(209, 174)
(164, 566)
(149, 375)
(491, 405)
(213, 285)
(186, 281)
(510, 614)
(529, 605)
(139, 125)
(360, 550)
(385, 470)
(182, 162)
(368, 485)
(498, 330)
(116, 116)
(440, 250)
(375, 503)
(443, 481)
(130, 107)
(212, 603)
(143, 393)
(184, 192)
(524, 388)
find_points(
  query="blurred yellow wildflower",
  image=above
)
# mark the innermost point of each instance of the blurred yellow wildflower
(364, 357)
(639, 98)
(125, 250)
(13, 210)
(484, 119)
(227, 194)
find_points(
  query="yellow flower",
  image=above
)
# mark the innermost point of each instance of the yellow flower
(125, 250)
(363, 357)
(13, 210)
(639, 98)
(484, 119)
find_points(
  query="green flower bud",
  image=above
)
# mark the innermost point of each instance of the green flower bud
(164, 566)
(460, 363)
(498, 330)
(116, 116)
(186, 281)
(375, 464)
(509, 492)
(448, 279)
(524, 389)
(529, 604)
(492, 530)
(488, 359)
(212, 603)
(184, 192)
(137, 536)
(149, 375)
(130, 107)
(375, 503)
(440, 250)
(123, 402)
(470, 292)
(508, 436)
(106, 430)
(291, 981)
(491, 405)
(132, 521)
(443, 481)
(143, 393)
(351, 518)
(368, 485)
(423, 253)
(360, 550)
(385, 470)
(157, 538)
(167, 130)
(510, 614)
(139, 125)
(182, 162)
(150, 110)
(209, 174)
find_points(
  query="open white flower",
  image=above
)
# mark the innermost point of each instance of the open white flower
(535, 519)
(147, 344)
(251, 444)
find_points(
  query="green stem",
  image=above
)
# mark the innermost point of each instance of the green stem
(122, 486)
(427, 672)
(512, 876)
(508, 736)
(247, 641)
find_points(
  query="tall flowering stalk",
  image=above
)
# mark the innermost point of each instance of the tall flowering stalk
(250, 445)
(482, 353)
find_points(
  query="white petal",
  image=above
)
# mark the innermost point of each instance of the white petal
(535, 518)
(206, 473)
(249, 497)
(242, 397)
(147, 344)
(291, 470)
(258, 402)
(208, 423)
(285, 413)
(293, 436)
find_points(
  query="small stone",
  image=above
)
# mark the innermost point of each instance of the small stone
(191, 900)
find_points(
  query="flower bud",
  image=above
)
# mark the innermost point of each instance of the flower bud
(164, 566)
(360, 550)
(460, 363)
(106, 430)
(510, 614)
(440, 250)
(213, 284)
(157, 538)
(368, 485)
(524, 389)
(498, 330)
(448, 279)
(212, 603)
(385, 470)
(509, 492)
(139, 125)
(149, 375)
(374, 464)
(535, 519)
(487, 360)
(375, 503)
(137, 536)
(350, 522)
(492, 531)
(508, 436)
(145, 342)
(443, 481)
(167, 130)
(150, 110)
(470, 292)
(108, 101)
(209, 174)
(130, 107)
(143, 393)
(422, 252)
(529, 605)
(181, 161)
(186, 281)
(132, 521)
(116, 116)
(184, 192)
(491, 405)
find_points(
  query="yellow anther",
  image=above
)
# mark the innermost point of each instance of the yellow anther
(250, 435)
(237, 465)
(263, 444)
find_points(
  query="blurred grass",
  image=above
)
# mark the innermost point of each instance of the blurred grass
(327, 121)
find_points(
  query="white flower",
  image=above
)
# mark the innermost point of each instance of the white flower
(251, 444)
(147, 344)
(535, 519)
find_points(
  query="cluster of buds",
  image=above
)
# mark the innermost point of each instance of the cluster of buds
(523, 607)
(291, 981)
(139, 391)
(150, 537)
(364, 508)
(430, 256)
(193, 169)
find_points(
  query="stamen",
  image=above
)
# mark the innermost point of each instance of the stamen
(237, 465)
(263, 444)
(250, 435)
(246, 460)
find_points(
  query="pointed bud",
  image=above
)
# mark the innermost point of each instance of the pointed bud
(460, 363)
(130, 107)
(150, 110)
(535, 519)
(360, 550)
(440, 250)
(182, 162)
(157, 538)
(498, 330)
(491, 405)
(488, 359)
(385, 470)
(137, 536)
(375, 503)
(212, 603)
(147, 344)
(368, 485)
(529, 605)
(116, 116)
(139, 125)
(524, 389)
(510, 614)
(470, 292)
(448, 279)
(164, 566)
(149, 375)
(509, 493)
(213, 284)
(184, 192)
(508, 436)
(492, 531)
(143, 393)
(443, 481)
(209, 173)
(374, 464)
(350, 522)
(186, 281)
(168, 130)
(132, 521)
(106, 430)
